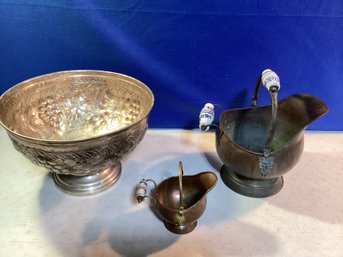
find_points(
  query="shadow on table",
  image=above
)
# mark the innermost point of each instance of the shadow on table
(111, 223)
(101, 225)
(132, 234)
(50, 196)
(313, 188)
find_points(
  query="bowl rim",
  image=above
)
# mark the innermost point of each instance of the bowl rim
(57, 74)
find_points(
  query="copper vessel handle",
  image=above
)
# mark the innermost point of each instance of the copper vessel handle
(207, 116)
(180, 216)
(180, 185)
(143, 190)
(268, 79)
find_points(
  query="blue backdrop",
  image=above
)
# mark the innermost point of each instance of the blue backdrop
(187, 52)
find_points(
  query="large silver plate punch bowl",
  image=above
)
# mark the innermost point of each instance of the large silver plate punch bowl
(78, 124)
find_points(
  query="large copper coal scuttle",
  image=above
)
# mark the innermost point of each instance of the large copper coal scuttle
(259, 144)
(78, 124)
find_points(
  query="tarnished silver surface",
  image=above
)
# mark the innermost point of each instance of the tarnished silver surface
(77, 123)
(89, 184)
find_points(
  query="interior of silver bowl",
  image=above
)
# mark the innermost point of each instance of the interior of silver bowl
(74, 105)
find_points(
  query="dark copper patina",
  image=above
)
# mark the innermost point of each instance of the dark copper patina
(179, 201)
(241, 138)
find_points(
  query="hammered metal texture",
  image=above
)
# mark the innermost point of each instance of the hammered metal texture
(76, 122)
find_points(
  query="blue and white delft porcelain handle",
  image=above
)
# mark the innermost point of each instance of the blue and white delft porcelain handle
(206, 117)
(270, 79)
(143, 190)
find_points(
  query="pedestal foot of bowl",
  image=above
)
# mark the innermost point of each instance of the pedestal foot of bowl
(257, 188)
(183, 229)
(89, 184)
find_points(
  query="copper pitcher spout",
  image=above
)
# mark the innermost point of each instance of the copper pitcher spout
(302, 109)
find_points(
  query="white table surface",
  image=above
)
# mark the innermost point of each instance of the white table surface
(304, 219)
